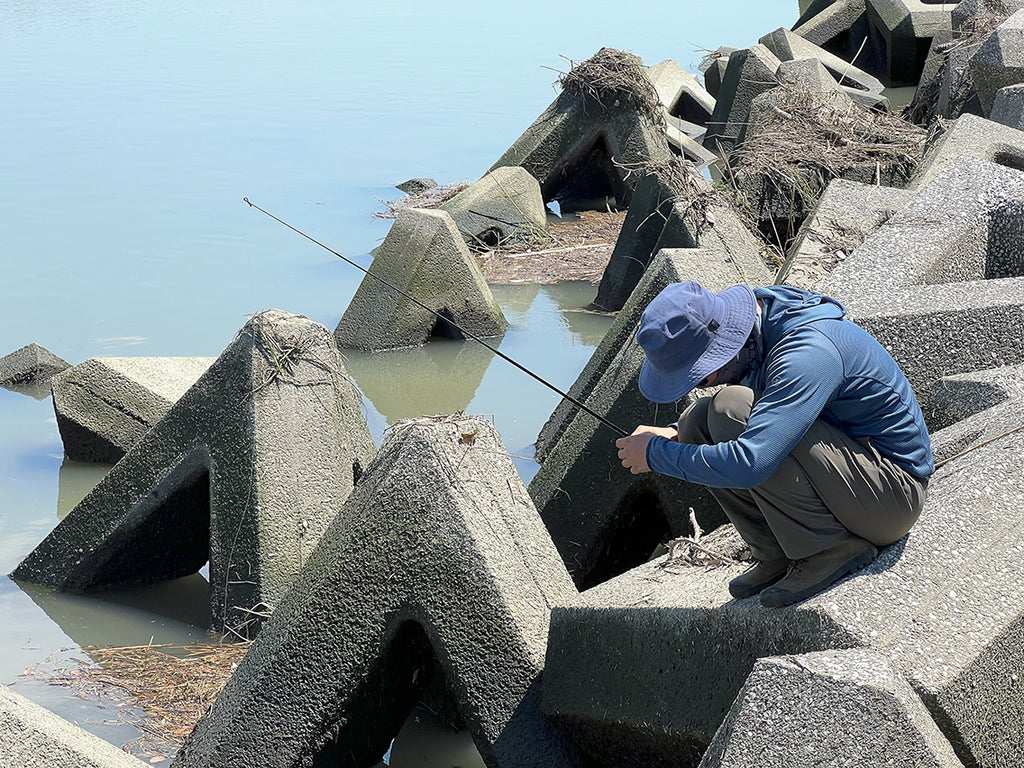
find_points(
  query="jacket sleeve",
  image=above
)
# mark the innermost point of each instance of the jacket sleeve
(802, 374)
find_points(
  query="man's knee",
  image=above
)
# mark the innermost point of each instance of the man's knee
(729, 412)
(693, 423)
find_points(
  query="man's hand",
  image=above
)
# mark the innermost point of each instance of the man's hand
(633, 449)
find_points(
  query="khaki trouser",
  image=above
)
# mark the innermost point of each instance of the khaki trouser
(831, 486)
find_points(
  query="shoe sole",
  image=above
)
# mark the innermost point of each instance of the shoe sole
(777, 598)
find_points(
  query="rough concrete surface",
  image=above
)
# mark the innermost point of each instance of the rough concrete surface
(105, 405)
(438, 553)
(581, 145)
(905, 29)
(846, 214)
(829, 708)
(970, 409)
(425, 256)
(940, 283)
(999, 61)
(789, 46)
(1008, 108)
(681, 93)
(246, 470)
(971, 136)
(32, 364)
(750, 72)
(603, 519)
(32, 737)
(841, 27)
(943, 606)
(504, 206)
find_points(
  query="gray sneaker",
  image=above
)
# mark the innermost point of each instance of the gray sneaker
(762, 575)
(813, 574)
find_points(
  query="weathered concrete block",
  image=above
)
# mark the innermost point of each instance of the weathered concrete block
(940, 283)
(789, 46)
(32, 364)
(602, 518)
(681, 93)
(716, 64)
(846, 214)
(943, 606)
(971, 136)
(999, 61)
(970, 409)
(425, 256)
(438, 553)
(1008, 108)
(32, 737)
(904, 30)
(840, 27)
(415, 186)
(682, 141)
(750, 72)
(578, 147)
(105, 405)
(504, 206)
(828, 708)
(246, 470)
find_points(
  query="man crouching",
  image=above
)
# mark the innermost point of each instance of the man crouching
(816, 447)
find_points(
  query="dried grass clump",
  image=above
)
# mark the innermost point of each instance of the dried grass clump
(428, 198)
(812, 132)
(923, 108)
(614, 77)
(691, 192)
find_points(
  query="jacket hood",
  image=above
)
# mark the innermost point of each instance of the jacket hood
(787, 308)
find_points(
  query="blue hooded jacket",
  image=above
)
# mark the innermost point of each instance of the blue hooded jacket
(815, 365)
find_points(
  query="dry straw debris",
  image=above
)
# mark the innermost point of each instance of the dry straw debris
(434, 197)
(614, 78)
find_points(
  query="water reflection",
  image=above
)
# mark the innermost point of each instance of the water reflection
(74, 481)
(40, 390)
(176, 611)
(439, 377)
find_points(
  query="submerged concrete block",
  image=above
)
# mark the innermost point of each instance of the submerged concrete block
(971, 136)
(943, 606)
(438, 554)
(846, 214)
(750, 72)
(904, 29)
(105, 405)
(789, 46)
(32, 364)
(504, 206)
(940, 283)
(828, 708)
(425, 256)
(246, 470)
(999, 61)
(578, 149)
(603, 519)
(33, 737)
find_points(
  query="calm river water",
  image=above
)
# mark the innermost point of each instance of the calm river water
(132, 131)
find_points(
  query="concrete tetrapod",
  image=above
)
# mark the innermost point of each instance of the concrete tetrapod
(940, 282)
(905, 29)
(503, 207)
(603, 519)
(33, 737)
(425, 256)
(438, 553)
(749, 73)
(828, 708)
(943, 606)
(246, 470)
(999, 61)
(971, 136)
(582, 145)
(31, 364)
(105, 405)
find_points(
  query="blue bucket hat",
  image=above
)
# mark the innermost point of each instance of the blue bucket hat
(688, 333)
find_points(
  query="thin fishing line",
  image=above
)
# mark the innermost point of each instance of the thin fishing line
(461, 330)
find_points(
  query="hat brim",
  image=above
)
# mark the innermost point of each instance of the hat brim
(739, 311)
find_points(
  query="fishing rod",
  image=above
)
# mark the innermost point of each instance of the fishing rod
(450, 322)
